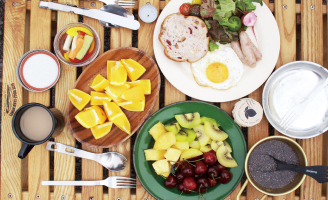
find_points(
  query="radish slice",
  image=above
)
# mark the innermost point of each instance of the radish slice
(74, 42)
(249, 19)
(67, 43)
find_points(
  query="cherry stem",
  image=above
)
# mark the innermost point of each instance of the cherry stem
(196, 160)
(190, 163)
(179, 196)
(213, 177)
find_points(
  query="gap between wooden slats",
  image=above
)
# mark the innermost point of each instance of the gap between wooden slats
(92, 170)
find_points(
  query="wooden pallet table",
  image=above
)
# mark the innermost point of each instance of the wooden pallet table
(303, 32)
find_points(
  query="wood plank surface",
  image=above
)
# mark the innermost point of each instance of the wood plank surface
(92, 170)
(146, 44)
(312, 50)
(13, 48)
(287, 29)
(39, 157)
(286, 20)
(121, 37)
(64, 165)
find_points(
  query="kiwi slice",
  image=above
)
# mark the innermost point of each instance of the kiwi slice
(214, 132)
(191, 135)
(211, 120)
(216, 144)
(225, 158)
(189, 120)
(202, 138)
(194, 144)
(205, 148)
(173, 127)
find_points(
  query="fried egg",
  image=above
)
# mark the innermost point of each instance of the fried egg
(219, 69)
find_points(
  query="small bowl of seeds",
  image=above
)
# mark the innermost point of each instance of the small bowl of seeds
(260, 167)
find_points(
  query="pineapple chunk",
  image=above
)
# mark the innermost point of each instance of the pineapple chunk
(157, 130)
(206, 148)
(182, 145)
(194, 145)
(152, 154)
(161, 166)
(172, 154)
(165, 141)
(166, 174)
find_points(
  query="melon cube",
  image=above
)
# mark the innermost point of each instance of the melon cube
(157, 130)
(161, 166)
(182, 145)
(172, 154)
(165, 141)
(152, 154)
(166, 174)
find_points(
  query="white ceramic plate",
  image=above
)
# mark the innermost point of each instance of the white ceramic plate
(179, 73)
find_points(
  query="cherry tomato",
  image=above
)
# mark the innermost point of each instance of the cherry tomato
(185, 9)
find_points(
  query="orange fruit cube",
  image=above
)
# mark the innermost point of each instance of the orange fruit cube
(122, 122)
(101, 130)
(118, 74)
(87, 118)
(110, 64)
(78, 98)
(134, 94)
(98, 113)
(144, 83)
(98, 98)
(133, 68)
(133, 105)
(99, 83)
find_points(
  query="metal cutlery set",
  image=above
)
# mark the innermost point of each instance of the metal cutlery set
(113, 14)
(111, 160)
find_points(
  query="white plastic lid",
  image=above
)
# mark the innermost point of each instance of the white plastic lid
(148, 13)
(247, 112)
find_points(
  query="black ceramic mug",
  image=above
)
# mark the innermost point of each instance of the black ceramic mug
(58, 124)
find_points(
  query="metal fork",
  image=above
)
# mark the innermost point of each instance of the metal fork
(298, 109)
(122, 3)
(111, 182)
(319, 173)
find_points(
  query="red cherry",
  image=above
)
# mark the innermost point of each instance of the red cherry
(180, 187)
(212, 181)
(170, 181)
(179, 176)
(203, 182)
(209, 158)
(197, 175)
(188, 171)
(225, 176)
(200, 167)
(220, 167)
(182, 164)
(213, 152)
(213, 172)
(189, 183)
(200, 190)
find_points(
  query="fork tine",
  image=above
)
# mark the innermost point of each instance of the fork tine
(126, 184)
(126, 178)
(126, 181)
(290, 120)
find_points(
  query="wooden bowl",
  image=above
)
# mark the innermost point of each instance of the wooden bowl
(99, 66)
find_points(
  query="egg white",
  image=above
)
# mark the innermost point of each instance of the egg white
(227, 57)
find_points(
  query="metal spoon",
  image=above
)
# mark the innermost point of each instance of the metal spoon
(112, 160)
(118, 10)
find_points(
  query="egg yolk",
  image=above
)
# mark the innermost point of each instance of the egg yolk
(217, 72)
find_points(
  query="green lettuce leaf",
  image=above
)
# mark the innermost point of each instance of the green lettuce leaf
(225, 10)
(212, 46)
(207, 9)
(247, 5)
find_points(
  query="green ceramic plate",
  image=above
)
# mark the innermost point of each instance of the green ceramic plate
(154, 183)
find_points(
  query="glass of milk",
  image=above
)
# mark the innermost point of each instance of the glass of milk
(34, 124)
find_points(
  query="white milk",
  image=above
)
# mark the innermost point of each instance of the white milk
(40, 71)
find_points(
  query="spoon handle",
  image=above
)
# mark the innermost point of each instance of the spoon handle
(316, 172)
(62, 148)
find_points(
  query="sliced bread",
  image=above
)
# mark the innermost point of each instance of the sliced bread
(184, 38)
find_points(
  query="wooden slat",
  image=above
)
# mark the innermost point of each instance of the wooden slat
(13, 49)
(92, 170)
(255, 134)
(121, 37)
(312, 50)
(39, 157)
(325, 136)
(146, 44)
(287, 29)
(64, 165)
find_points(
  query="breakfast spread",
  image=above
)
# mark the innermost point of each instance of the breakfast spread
(191, 153)
(263, 168)
(127, 95)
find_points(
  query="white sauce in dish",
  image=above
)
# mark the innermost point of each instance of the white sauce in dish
(40, 71)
